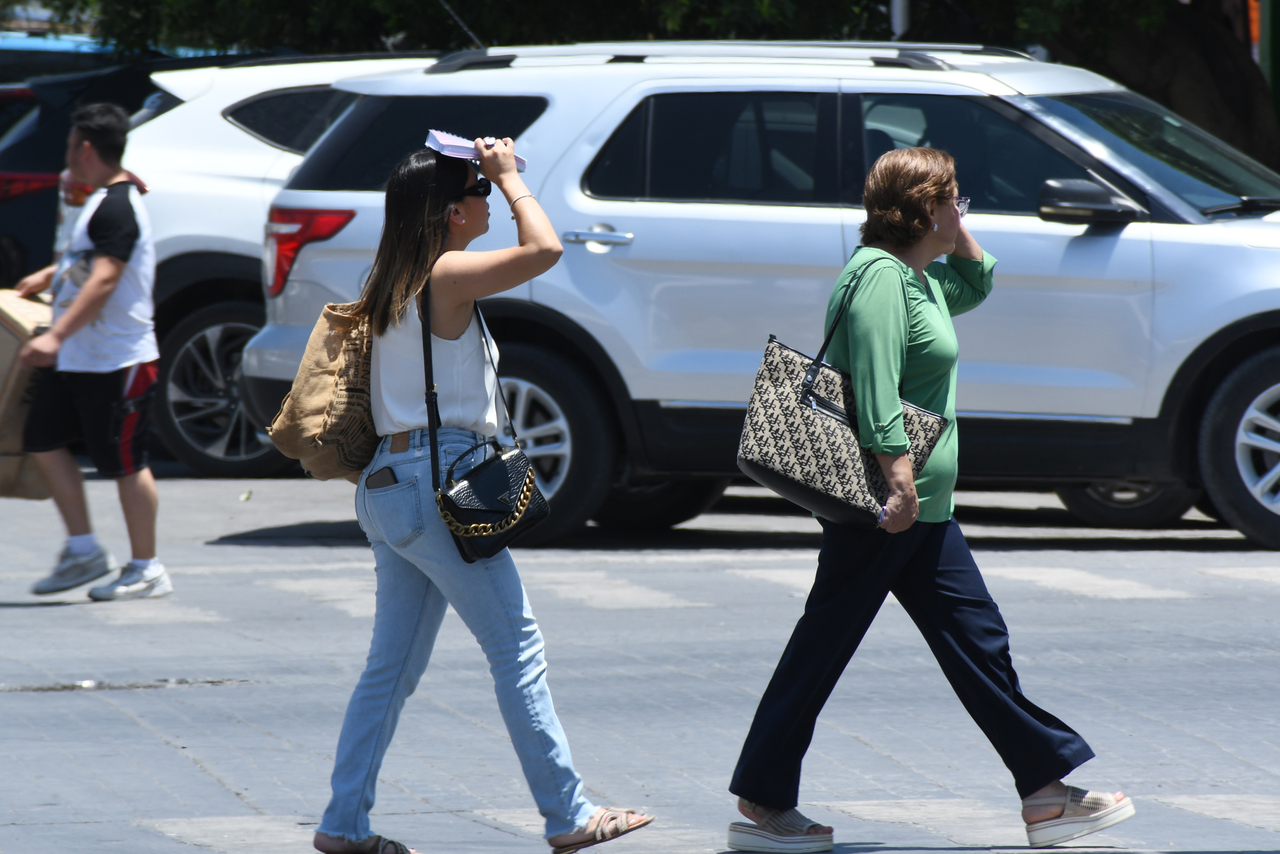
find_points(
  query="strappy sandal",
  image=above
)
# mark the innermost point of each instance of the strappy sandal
(380, 844)
(612, 824)
(1083, 813)
(785, 831)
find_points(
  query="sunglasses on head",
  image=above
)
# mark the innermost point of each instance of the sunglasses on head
(481, 188)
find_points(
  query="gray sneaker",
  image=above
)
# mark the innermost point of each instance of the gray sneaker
(133, 583)
(74, 570)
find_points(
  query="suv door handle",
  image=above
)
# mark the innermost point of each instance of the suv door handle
(608, 238)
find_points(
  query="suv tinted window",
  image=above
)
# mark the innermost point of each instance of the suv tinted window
(775, 147)
(17, 123)
(14, 104)
(157, 104)
(378, 132)
(1000, 166)
(619, 170)
(292, 120)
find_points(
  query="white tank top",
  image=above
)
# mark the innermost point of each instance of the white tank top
(465, 381)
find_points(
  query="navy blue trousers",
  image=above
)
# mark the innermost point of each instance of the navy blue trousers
(931, 571)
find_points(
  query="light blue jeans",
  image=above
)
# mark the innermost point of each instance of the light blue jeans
(419, 575)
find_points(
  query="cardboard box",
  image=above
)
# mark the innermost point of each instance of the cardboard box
(20, 320)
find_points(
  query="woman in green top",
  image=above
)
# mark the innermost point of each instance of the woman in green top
(897, 343)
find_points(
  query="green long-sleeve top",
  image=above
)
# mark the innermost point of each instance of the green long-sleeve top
(897, 334)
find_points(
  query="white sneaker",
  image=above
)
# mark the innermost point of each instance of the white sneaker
(135, 583)
(74, 570)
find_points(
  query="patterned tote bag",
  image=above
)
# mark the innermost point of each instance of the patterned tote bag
(800, 437)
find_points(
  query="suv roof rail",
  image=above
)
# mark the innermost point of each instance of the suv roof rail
(299, 59)
(916, 59)
(916, 55)
(463, 60)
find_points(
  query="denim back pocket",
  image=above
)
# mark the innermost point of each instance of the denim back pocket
(459, 453)
(396, 511)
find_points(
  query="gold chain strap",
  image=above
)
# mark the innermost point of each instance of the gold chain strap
(485, 529)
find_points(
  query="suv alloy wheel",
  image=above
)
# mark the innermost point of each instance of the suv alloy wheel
(197, 410)
(564, 431)
(1240, 448)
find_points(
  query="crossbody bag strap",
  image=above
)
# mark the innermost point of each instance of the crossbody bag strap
(433, 402)
(484, 335)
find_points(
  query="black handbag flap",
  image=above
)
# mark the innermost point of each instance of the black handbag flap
(490, 489)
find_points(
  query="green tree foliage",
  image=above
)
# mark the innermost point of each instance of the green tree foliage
(1180, 54)
(324, 26)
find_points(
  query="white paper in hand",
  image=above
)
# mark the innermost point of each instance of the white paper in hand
(452, 145)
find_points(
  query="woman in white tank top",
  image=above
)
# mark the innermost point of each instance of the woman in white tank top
(435, 207)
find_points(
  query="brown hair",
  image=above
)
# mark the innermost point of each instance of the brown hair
(898, 189)
(421, 193)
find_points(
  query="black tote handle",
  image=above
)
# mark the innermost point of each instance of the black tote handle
(811, 375)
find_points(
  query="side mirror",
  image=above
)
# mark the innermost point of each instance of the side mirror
(1080, 201)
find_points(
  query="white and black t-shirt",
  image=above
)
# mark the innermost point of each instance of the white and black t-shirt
(113, 222)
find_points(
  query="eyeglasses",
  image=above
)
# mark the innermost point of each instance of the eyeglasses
(481, 188)
(962, 203)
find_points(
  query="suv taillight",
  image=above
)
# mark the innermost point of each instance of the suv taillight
(288, 230)
(16, 184)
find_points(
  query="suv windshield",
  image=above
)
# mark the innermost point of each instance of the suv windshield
(1204, 171)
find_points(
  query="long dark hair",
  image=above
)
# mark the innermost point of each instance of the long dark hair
(421, 193)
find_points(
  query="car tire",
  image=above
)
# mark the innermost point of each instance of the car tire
(565, 431)
(657, 506)
(197, 409)
(1240, 448)
(1206, 506)
(1119, 504)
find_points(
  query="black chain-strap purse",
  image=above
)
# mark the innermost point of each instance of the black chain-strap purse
(497, 501)
(800, 438)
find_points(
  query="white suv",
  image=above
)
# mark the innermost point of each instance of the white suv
(709, 196)
(214, 146)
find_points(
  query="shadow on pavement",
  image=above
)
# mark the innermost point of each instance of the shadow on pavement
(340, 533)
(604, 539)
(978, 521)
(1054, 517)
(1111, 544)
(348, 533)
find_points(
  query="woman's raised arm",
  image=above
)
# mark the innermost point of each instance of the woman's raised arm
(461, 277)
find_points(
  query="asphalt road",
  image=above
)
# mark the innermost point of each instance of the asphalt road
(207, 720)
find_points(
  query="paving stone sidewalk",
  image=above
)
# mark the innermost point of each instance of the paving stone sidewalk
(208, 720)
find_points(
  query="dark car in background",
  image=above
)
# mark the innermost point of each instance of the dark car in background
(16, 100)
(38, 54)
(33, 146)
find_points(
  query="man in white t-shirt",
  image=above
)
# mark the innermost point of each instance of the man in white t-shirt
(99, 365)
